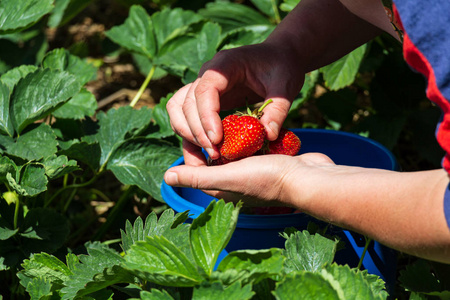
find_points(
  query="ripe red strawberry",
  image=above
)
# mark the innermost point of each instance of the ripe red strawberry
(287, 143)
(242, 138)
(243, 135)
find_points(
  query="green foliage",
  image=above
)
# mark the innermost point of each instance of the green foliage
(165, 252)
(59, 154)
(17, 17)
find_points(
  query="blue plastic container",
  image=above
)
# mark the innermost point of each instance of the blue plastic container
(262, 231)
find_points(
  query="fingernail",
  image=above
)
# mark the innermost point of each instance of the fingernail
(210, 151)
(171, 178)
(211, 136)
(274, 127)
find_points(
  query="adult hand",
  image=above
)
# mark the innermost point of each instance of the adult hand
(248, 74)
(267, 180)
(381, 204)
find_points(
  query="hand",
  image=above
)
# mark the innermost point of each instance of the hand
(267, 180)
(233, 77)
(381, 204)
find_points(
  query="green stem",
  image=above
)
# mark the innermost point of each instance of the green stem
(143, 86)
(16, 212)
(276, 12)
(72, 186)
(368, 240)
(113, 215)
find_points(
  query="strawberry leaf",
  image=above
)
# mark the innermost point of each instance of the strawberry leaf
(143, 162)
(38, 94)
(217, 290)
(116, 124)
(160, 261)
(32, 181)
(6, 126)
(44, 266)
(211, 231)
(57, 166)
(16, 17)
(12, 77)
(35, 144)
(267, 7)
(307, 285)
(39, 288)
(79, 106)
(88, 153)
(61, 59)
(147, 35)
(308, 252)
(161, 117)
(342, 72)
(231, 16)
(180, 24)
(190, 52)
(168, 226)
(344, 279)
(155, 294)
(7, 166)
(97, 270)
(252, 265)
(136, 34)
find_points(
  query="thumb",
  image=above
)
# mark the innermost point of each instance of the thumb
(274, 115)
(190, 176)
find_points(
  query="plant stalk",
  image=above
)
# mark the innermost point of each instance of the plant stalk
(16, 212)
(368, 240)
(72, 186)
(143, 86)
(276, 12)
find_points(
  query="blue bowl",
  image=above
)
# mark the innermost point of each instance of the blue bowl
(262, 231)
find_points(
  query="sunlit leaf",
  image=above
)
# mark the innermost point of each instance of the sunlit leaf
(211, 231)
(342, 72)
(308, 252)
(15, 15)
(158, 260)
(6, 126)
(79, 106)
(61, 59)
(116, 124)
(143, 162)
(39, 93)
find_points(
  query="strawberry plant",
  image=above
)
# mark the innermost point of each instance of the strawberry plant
(169, 258)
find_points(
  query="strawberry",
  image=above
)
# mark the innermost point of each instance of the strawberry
(287, 143)
(243, 134)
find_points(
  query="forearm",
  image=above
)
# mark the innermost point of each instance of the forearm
(317, 32)
(401, 210)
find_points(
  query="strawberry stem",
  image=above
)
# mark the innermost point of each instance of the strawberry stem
(264, 105)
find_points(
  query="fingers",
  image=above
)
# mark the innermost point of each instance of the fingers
(185, 120)
(193, 155)
(274, 115)
(207, 94)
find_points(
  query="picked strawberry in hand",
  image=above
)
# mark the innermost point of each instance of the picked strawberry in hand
(243, 134)
(287, 143)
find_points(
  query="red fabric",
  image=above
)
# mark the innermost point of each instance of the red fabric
(419, 62)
